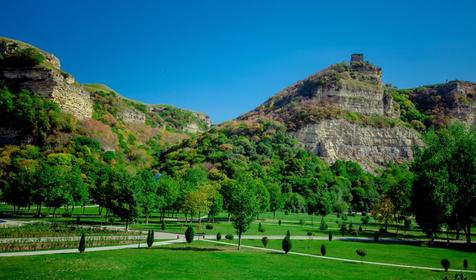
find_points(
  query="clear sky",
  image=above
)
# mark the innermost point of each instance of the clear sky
(224, 58)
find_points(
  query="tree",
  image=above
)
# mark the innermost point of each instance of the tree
(396, 183)
(218, 236)
(189, 234)
(265, 241)
(276, 201)
(286, 244)
(150, 238)
(323, 250)
(444, 191)
(146, 185)
(123, 196)
(361, 253)
(243, 205)
(82, 244)
(465, 264)
(445, 263)
(330, 236)
(384, 211)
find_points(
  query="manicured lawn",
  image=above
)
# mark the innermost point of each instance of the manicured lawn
(379, 252)
(198, 261)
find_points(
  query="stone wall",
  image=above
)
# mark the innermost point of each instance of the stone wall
(372, 147)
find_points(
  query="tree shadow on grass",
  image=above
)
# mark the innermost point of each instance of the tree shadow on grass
(196, 249)
(275, 253)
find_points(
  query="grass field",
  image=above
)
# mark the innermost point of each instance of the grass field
(198, 261)
(378, 252)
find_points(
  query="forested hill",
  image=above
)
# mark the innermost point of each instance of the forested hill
(346, 112)
(44, 106)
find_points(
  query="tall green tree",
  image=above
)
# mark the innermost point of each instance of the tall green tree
(243, 204)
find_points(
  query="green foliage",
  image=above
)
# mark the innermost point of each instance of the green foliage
(82, 244)
(31, 114)
(22, 58)
(445, 171)
(229, 236)
(408, 111)
(465, 264)
(189, 234)
(218, 236)
(330, 236)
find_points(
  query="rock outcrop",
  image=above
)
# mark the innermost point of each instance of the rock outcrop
(45, 78)
(132, 116)
(372, 147)
(327, 113)
(455, 100)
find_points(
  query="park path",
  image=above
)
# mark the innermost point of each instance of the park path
(92, 249)
(343, 259)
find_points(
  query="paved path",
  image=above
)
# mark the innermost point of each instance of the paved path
(344, 260)
(92, 249)
(73, 238)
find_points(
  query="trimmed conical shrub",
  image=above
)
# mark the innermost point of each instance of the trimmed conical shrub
(150, 238)
(82, 244)
(189, 234)
(287, 245)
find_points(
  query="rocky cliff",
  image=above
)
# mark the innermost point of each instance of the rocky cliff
(442, 103)
(44, 78)
(344, 112)
(92, 110)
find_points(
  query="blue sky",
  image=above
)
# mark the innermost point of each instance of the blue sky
(224, 58)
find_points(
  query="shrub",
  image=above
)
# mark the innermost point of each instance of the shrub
(360, 228)
(265, 241)
(162, 226)
(209, 226)
(27, 57)
(309, 233)
(362, 253)
(350, 227)
(229, 236)
(465, 264)
(376, 236)
(286, 244)
(82, 244)
(279, 222)
(260, 228)
(150, 238)
(330, 236)
(218, 236)
(189, 234)
(445, 263)
(323, 250)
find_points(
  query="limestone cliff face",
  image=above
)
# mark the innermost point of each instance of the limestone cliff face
(372, 147)
(45, 79)
(344, 112)
(52, 84)
(132, 116)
